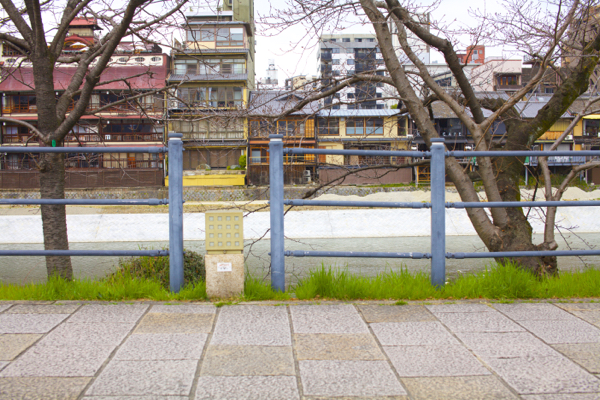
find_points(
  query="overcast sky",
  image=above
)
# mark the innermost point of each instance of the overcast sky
(293, 60)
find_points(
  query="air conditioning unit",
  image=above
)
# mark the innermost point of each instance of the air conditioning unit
(307, 178)
(410, 136)
(414, 148)
(569, 137)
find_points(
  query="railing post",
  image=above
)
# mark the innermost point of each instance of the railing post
(276, 207)
(175, 211)
(438, 212)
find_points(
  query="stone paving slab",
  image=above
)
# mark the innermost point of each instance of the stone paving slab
(563, 331)
(29, 323)
(183, 309)
(144, 351)
(11, 345)
(459, 308)
(175, 323)
(105, 334)
(585, 354)
(43, 308)
(420, 361)
(247, 387)
(140, 378)
(505, 344)
(253, 326)
(458, 388)
(541, 375)
(570, 396)
(162, 346)
(579, 306)
(4, 306)
(533, 311)
(108, 313)
(412, 334)
(59, 361)
(231, 360)
(341, 318)
(408, 313)
(42, 388)
(324, 346)
(478, 322)
(349, 378)
(591, 316)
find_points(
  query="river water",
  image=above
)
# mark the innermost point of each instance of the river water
(32, 269)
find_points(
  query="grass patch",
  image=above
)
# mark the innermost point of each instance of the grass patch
(114, 288)
(504, 282)
(256, 289)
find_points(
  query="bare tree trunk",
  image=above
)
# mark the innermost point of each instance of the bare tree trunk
(54, 217)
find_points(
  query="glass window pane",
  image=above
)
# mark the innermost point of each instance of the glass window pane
(223, 35)
(237, 34)
(207, 34)
(281, 125)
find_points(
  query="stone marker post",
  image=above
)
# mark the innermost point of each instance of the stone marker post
(224, 253)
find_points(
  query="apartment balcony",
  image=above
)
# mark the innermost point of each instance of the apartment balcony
(202, 136)
(561, 161)
(112, 137)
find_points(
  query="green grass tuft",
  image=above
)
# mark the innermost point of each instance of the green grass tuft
(255, 289)
(114, 288)
(503, 282)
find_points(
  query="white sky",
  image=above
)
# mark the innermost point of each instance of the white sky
(291, 60)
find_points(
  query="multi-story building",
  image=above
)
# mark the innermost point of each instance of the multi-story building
(341, 56)
(420, 48)
(301, 82)
(362, 130)
(213, 70)
(298, 130)
(134, 68)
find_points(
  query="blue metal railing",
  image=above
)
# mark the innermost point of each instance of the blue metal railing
(175, 202)
(437, 206)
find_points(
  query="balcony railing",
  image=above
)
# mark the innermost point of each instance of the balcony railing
(557, 161)
(77, 163)
(213, 136)
(288, 160)
(125, 108)
(115, 137)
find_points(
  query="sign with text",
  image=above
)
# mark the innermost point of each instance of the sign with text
(223, 267)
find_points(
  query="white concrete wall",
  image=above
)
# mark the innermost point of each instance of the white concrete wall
(298, 224)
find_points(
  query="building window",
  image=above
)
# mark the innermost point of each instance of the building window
(328, 126)
(210, 66)
(335, 51)
(358, 40)
(224, 96)
(591, 127)
(215, 128)
(223, 37)
(290, 128)
(155, 59)
(364, 126)
(336, 61)
(350, 61)
(346, 40)
(350, 95)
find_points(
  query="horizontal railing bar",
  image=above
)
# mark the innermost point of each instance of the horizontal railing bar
(522, 153)
(359, 254)
(502, 204)
(508, 254)
(15, 149)
(94, 253)
(384, 153)
(88, 202)
(334, 203)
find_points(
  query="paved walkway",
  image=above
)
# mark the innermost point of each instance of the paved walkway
(147, 350)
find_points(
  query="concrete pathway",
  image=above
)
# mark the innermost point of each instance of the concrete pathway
(144, 350)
